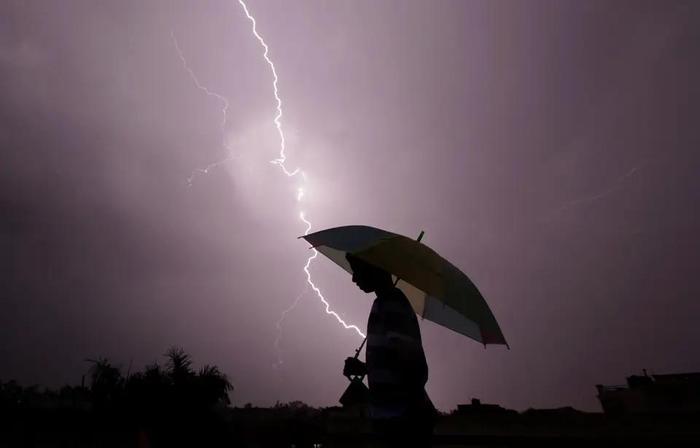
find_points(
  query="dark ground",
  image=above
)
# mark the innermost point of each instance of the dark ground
(175, 404)
(295, 424)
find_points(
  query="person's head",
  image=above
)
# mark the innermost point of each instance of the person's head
(367, 277)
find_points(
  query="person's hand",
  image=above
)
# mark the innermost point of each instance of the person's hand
(354, 367)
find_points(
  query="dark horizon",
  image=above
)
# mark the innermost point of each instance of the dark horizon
(547, 148)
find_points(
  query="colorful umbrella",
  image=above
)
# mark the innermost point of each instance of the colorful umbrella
(436, 289)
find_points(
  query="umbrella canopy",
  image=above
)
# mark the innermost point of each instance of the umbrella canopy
(436, 289)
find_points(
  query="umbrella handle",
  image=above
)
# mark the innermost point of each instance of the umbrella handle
(359, 349)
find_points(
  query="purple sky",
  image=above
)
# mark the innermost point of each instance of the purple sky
(548, 148)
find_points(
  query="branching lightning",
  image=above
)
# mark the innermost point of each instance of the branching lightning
(224, 112)
(221, 98)
(594, 197)
(278, 325)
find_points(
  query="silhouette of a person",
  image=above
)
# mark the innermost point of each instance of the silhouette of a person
(399, 408)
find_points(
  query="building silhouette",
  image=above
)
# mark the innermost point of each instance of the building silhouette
(677, 393)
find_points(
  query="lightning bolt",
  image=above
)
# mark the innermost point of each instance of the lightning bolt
(280, 161)
(278, 118)
(318, 291)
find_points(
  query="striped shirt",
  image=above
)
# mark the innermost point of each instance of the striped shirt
(396, 366)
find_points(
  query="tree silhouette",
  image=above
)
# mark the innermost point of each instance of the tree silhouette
(213, 386)
(169, 404)
(179, 365)
(106, 382)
